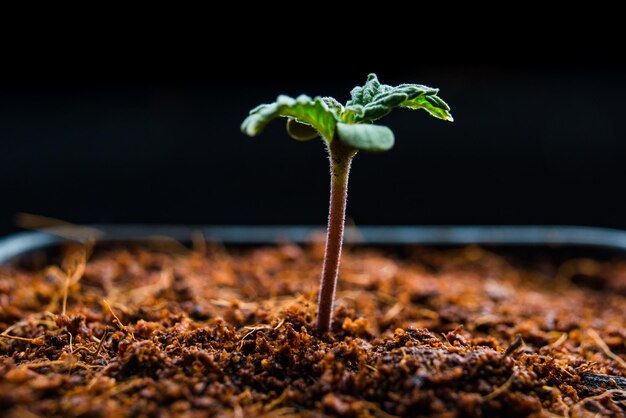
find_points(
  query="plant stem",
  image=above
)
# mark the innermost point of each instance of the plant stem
(340, 159)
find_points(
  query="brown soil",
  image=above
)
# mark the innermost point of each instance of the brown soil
(221, 332)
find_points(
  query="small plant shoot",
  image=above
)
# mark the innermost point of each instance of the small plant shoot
(345, 129)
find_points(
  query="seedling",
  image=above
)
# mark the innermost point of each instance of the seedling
(345, 129)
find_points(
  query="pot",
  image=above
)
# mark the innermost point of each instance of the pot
(579, 238)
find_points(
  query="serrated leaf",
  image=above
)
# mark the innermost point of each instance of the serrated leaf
(314, 112)
(375, 100)
(364, 95)
(432, 104)
(333, 105)
(365, 137)
(352, 113)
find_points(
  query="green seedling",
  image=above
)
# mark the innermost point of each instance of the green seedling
(345, 130)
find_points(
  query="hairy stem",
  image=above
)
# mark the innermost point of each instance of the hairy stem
(340, 159)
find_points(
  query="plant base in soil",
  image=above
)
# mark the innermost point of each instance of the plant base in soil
(462, 332)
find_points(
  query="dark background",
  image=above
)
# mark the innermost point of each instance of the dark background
(156, 140)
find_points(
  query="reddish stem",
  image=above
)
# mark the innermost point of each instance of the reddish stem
(340, 159)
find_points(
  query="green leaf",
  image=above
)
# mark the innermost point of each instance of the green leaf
(352, 123)
(432, 104)
(305, 110)
(333, 105)
(365, 137)
(364, 95)
(375, 100)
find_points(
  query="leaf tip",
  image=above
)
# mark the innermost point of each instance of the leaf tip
(248, 127)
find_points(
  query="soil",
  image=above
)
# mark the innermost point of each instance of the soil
(230, 332)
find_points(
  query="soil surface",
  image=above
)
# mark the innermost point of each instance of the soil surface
(230, 332)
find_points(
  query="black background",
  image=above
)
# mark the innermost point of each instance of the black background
(153, 138)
